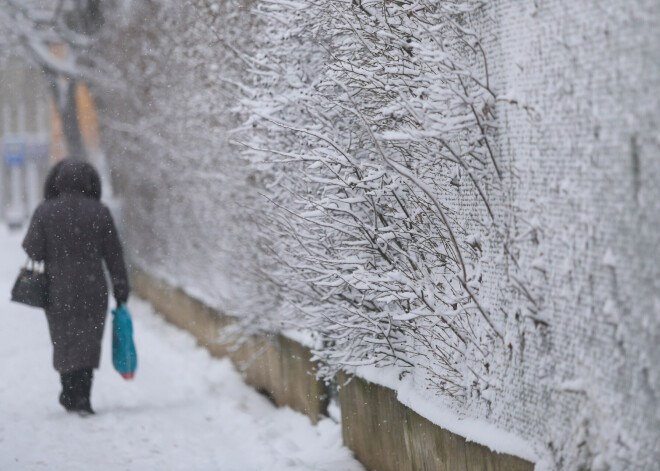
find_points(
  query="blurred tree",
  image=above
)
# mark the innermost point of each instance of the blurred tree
(56, 35)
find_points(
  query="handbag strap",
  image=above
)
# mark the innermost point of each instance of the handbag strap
(36, 266)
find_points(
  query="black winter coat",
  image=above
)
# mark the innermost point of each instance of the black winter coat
(73, 233)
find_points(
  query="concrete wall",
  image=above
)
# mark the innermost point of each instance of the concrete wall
(384, 434)
(273, 364)
(387, 436)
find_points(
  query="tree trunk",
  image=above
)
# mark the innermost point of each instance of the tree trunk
(64, 97)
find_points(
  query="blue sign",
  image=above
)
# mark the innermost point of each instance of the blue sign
(13, 152)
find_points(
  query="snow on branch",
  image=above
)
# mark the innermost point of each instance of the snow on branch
(365, 119)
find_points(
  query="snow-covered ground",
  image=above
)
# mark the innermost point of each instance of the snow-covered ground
(184, 410)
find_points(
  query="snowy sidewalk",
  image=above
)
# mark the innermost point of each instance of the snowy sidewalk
(184, 411)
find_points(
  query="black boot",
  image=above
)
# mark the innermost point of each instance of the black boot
(68, 394)
(83, 387)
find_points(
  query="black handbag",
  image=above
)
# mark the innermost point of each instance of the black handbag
(31, 286)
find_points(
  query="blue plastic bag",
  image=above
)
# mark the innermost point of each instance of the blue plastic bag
(124, 356)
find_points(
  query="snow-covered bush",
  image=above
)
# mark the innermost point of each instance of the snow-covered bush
(367, 120)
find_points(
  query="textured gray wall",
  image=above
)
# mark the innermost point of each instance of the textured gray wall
(586, 159)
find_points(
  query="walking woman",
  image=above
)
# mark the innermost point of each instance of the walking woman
(73, 233)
